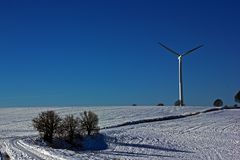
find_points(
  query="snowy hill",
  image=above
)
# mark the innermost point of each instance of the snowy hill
(211, 135)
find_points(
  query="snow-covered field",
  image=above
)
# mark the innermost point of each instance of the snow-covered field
(212, 135)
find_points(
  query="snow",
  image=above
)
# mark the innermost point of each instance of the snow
(146, 134)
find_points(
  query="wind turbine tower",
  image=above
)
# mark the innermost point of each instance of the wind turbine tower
(180, 56)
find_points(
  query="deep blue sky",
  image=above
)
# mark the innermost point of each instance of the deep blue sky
(106, 52)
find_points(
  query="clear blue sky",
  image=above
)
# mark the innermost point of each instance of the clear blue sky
(56, 52)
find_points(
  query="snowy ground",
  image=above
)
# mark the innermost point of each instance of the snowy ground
(213, 135)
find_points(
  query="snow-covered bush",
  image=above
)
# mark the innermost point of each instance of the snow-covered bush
(89, 123)
(218, 103)
(47, 124)
(69, 128)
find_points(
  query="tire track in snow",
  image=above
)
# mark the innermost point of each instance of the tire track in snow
(19, 149)
(19, 152)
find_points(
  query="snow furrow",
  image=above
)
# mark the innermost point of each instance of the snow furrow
(17, 152)
(39, 151)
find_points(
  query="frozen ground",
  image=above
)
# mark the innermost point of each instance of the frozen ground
(213, 135)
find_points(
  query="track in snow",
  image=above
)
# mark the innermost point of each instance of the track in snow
(24, 153)
(21, 149)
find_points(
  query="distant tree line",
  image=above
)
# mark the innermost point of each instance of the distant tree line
(49, 125)
(217, 102)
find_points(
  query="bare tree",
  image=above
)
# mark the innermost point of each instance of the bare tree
(47, 124)
(69, 128)
(89, 122)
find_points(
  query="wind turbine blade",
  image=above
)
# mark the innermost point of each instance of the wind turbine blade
(190, 51)
(170, 50)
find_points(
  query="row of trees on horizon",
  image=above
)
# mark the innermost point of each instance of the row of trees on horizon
(217, 102)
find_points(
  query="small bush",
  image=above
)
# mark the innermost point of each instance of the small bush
(89, 123)
(69, 128)
(178, 103)
(218, 103)
(237, 97)
(160, 104)
(47, 124)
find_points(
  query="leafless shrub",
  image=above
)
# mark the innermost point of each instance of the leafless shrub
(47, 124)
(89, 123)
(69, 128)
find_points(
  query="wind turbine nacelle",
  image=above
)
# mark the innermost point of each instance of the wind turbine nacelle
(180, 57)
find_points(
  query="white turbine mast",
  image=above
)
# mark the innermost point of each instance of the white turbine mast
(180, 56)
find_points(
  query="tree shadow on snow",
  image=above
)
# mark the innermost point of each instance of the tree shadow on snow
(132, 154)
(114, 141)
(146, 146)
(86, 143)
(94, 143)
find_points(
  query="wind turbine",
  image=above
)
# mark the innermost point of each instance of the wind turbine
(180, 56)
